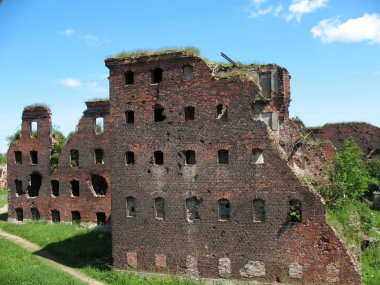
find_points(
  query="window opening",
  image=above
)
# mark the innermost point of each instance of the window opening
(189, 113)
(224, 210)
(33, 129)
(74, 184)
(295, 211)
(18, 185)
(131, 207)
(156, 75)
(75, 217)
(100, 218)
(99, 126)
(55, 216)
(35, 214)
(159, 206)
(129, 158)
(129, 77)
(192, 205)
(223, 156)
(18, 157)
(130, 117)
(99, 184)
(221, 111)
(158, 158)
(54, 188)
(257, 156)
(266, 84)
(190, 157)
(258, 210)
(188, 73)
(35, 181)
(74, 157)
(19, 214)
(34, 157)
(159, 113)
(99, 154)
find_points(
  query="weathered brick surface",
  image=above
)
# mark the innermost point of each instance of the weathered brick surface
(3, 176)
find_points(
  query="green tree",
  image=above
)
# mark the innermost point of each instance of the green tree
(348, 175)
(59, 142)
(3, 158)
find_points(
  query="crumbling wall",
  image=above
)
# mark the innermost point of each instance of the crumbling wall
(3, 176)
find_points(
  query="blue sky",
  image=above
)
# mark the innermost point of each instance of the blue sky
(53, 51)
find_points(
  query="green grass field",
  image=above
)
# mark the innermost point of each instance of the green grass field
(3, 197)
(19, 266)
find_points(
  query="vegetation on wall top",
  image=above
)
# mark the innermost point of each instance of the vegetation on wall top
(152, 52)
(37, 105)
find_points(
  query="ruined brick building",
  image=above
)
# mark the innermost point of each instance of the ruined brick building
(201, 162)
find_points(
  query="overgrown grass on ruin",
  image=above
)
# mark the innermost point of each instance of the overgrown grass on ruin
(19, 266)
(151, 52)
(3, 197)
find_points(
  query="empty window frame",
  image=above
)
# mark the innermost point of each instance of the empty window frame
(189, 113)
(19, 214)
(192, 205)
(159, 208)
(74, 157)
(257, 156)
(99, 156)
(74, 185)
(99, 184)
(130, 117)
(129, 158)
(131, 207)
(223, 156)
(266, 84)
(33, 157)
(221, 112)
(35, 181)
(33, 127)
(188, 73)
(100, 218)
(55, 216)
(54, 188)
(224, 210)
(158, 157)
(159, 113)
(99, 126)
(75, 217)
(295, 211)
(190, 157)
(18, 186)
(129, 77)
(35, 214)
(156, 75)
(18, 157)
(258, 210)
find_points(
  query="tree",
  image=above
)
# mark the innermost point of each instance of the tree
(3, 158)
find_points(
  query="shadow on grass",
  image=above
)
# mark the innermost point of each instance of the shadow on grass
(90, 249)
(4, 217)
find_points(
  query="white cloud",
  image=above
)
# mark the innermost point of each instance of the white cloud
(94, 86)
(68, 32)
(300, 7)
(365, 28)
(70, 82)
(92, 40)
(256, 9)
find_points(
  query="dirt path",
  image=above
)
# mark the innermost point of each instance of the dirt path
(49, 259)
(4, 209)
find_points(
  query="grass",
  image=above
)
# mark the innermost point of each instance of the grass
(19, 266)
(37, 105)
(151, 52)
(3, 197)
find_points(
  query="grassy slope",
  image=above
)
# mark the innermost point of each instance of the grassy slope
(19, 266)
(3, 197)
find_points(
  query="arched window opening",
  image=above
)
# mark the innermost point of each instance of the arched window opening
(158, 158)
(188, 73)
(130, 117)
(35, 214)
(129, 158)
(295, 211)
(257, 156)
(221, 111)
(99, 184)
(19, 214)
(18, 157)
(224, 210)
(74, 157)
(55, 216)
(100, 218)
(35, 181)
(189, 113)
(75, 217)
(74, 184)
(99, 126)
(159, 206)
(159, 113)
(223, 157)
(99, 156)
(129, 77)
(131, 207)
(258, 210)
(18, 186)
(156, 75)
(190, 157)
(192, 205)
(33, 157)
(33, 129)
(54, 188)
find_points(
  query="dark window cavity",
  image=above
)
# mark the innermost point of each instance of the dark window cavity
(192, 205)
(35, 214)
(295, 211)
(129, 77)
(100, 218)
(18, 185)
(156, 75)
(159, 113)
(55, 216)
(19, 214)
(130, 117)
(266, 84)
(188, 73)
(223, 156)
(129, 158)
(224, 210)
(74, 185)
(99, 184)
(159, 207)
(33, 129)
(34, 157)
(189, 113)
(75, 217)
(18, 157)
(257, 156)
(158, 158)
(131, 207)
(35, 181)
(99, 126)
(54, 188)
(258, 210)
(190, 157)
(221, 112)
(99, 155)
(74, 157)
